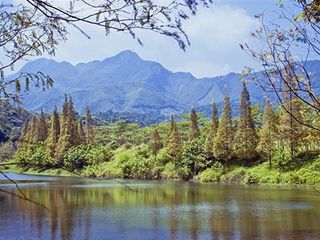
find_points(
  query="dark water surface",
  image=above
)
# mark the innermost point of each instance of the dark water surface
(88, 209)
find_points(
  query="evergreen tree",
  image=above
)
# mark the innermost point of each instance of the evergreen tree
(32, 132)
(89, 128)
(54, 132)
(81, 133)
(222, 146)
(214, 123)
(64, 115)
(155, 142)
(174, 143)
(268, 132)
(23, 140)
(72, 121)
(69, 133)
(193, 127)
(289, 128)
(41, 131)
(310, 137)
(246, 140)
(172, 123)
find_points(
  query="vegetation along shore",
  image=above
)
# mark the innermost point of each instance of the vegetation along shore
(256, 147)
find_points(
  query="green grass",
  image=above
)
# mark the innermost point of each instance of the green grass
(307, 173)
(34, 171)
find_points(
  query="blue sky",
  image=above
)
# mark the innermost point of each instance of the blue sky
(215, 35)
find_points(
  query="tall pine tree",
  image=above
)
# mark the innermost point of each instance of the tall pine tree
(41, 130)
(32, 132)
(54, 132)
(174, 143)
(64, 115)
(268, 133)
(289, 128)
(69, 134)
(23, 140)
(213, 128)
(222, 146)
(89, 128)
(72, 123)
(155, 142)
(81, 133)
(193, 127)
(246, 140)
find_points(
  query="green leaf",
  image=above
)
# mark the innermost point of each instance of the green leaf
(297, 18)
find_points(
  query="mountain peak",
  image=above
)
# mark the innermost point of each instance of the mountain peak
(127, 55)
(38, 64)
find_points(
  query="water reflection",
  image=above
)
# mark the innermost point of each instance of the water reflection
(167, 210)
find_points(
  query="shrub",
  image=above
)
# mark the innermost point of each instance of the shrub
(234, 176)
(193, 158)
(209, 175)
(36, 156)
(84, 155)
(212, 174)
(105, 169)
(137, 163)
(169, 171)
(99, 154)
(77, 157)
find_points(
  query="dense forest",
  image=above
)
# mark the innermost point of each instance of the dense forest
(267, 145)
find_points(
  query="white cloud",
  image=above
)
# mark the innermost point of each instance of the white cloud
(215, 34)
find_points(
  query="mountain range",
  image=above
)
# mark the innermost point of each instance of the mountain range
(127, 83)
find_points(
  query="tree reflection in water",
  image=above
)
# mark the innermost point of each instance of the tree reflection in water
(159, 210)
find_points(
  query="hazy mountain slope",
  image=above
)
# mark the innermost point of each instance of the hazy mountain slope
(127, 83)
(11, 121)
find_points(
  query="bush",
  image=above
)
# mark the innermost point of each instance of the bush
(113, 145)
(234, 176)
(209, 175)
(84, 155)
(307, 176)
(99, 155)
(170, 172)
(212, 174)
(139, 164)
(141, 167)
(77, 157)
(36, 156)
(193, 158)
(105, 169)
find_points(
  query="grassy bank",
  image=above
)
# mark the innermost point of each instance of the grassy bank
(135, 164)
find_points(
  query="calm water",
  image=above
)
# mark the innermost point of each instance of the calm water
(88, 209)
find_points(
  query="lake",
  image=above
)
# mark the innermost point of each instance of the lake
(119, 209)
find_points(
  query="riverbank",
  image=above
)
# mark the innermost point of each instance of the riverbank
(156, 210)
(299, 172)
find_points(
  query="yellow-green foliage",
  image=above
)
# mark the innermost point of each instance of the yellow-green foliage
(193, 149)
(209, 175)
(170, 171)
(130, 163)
(245, 140)
(36, 156)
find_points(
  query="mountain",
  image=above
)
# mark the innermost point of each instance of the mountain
(127, 83)
(11, 121)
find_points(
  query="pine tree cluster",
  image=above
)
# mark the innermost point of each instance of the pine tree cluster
(227, 139)
(60, 133)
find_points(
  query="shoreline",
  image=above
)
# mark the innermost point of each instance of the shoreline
(65, 173)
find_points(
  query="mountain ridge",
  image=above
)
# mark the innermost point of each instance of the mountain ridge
(127, 83)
